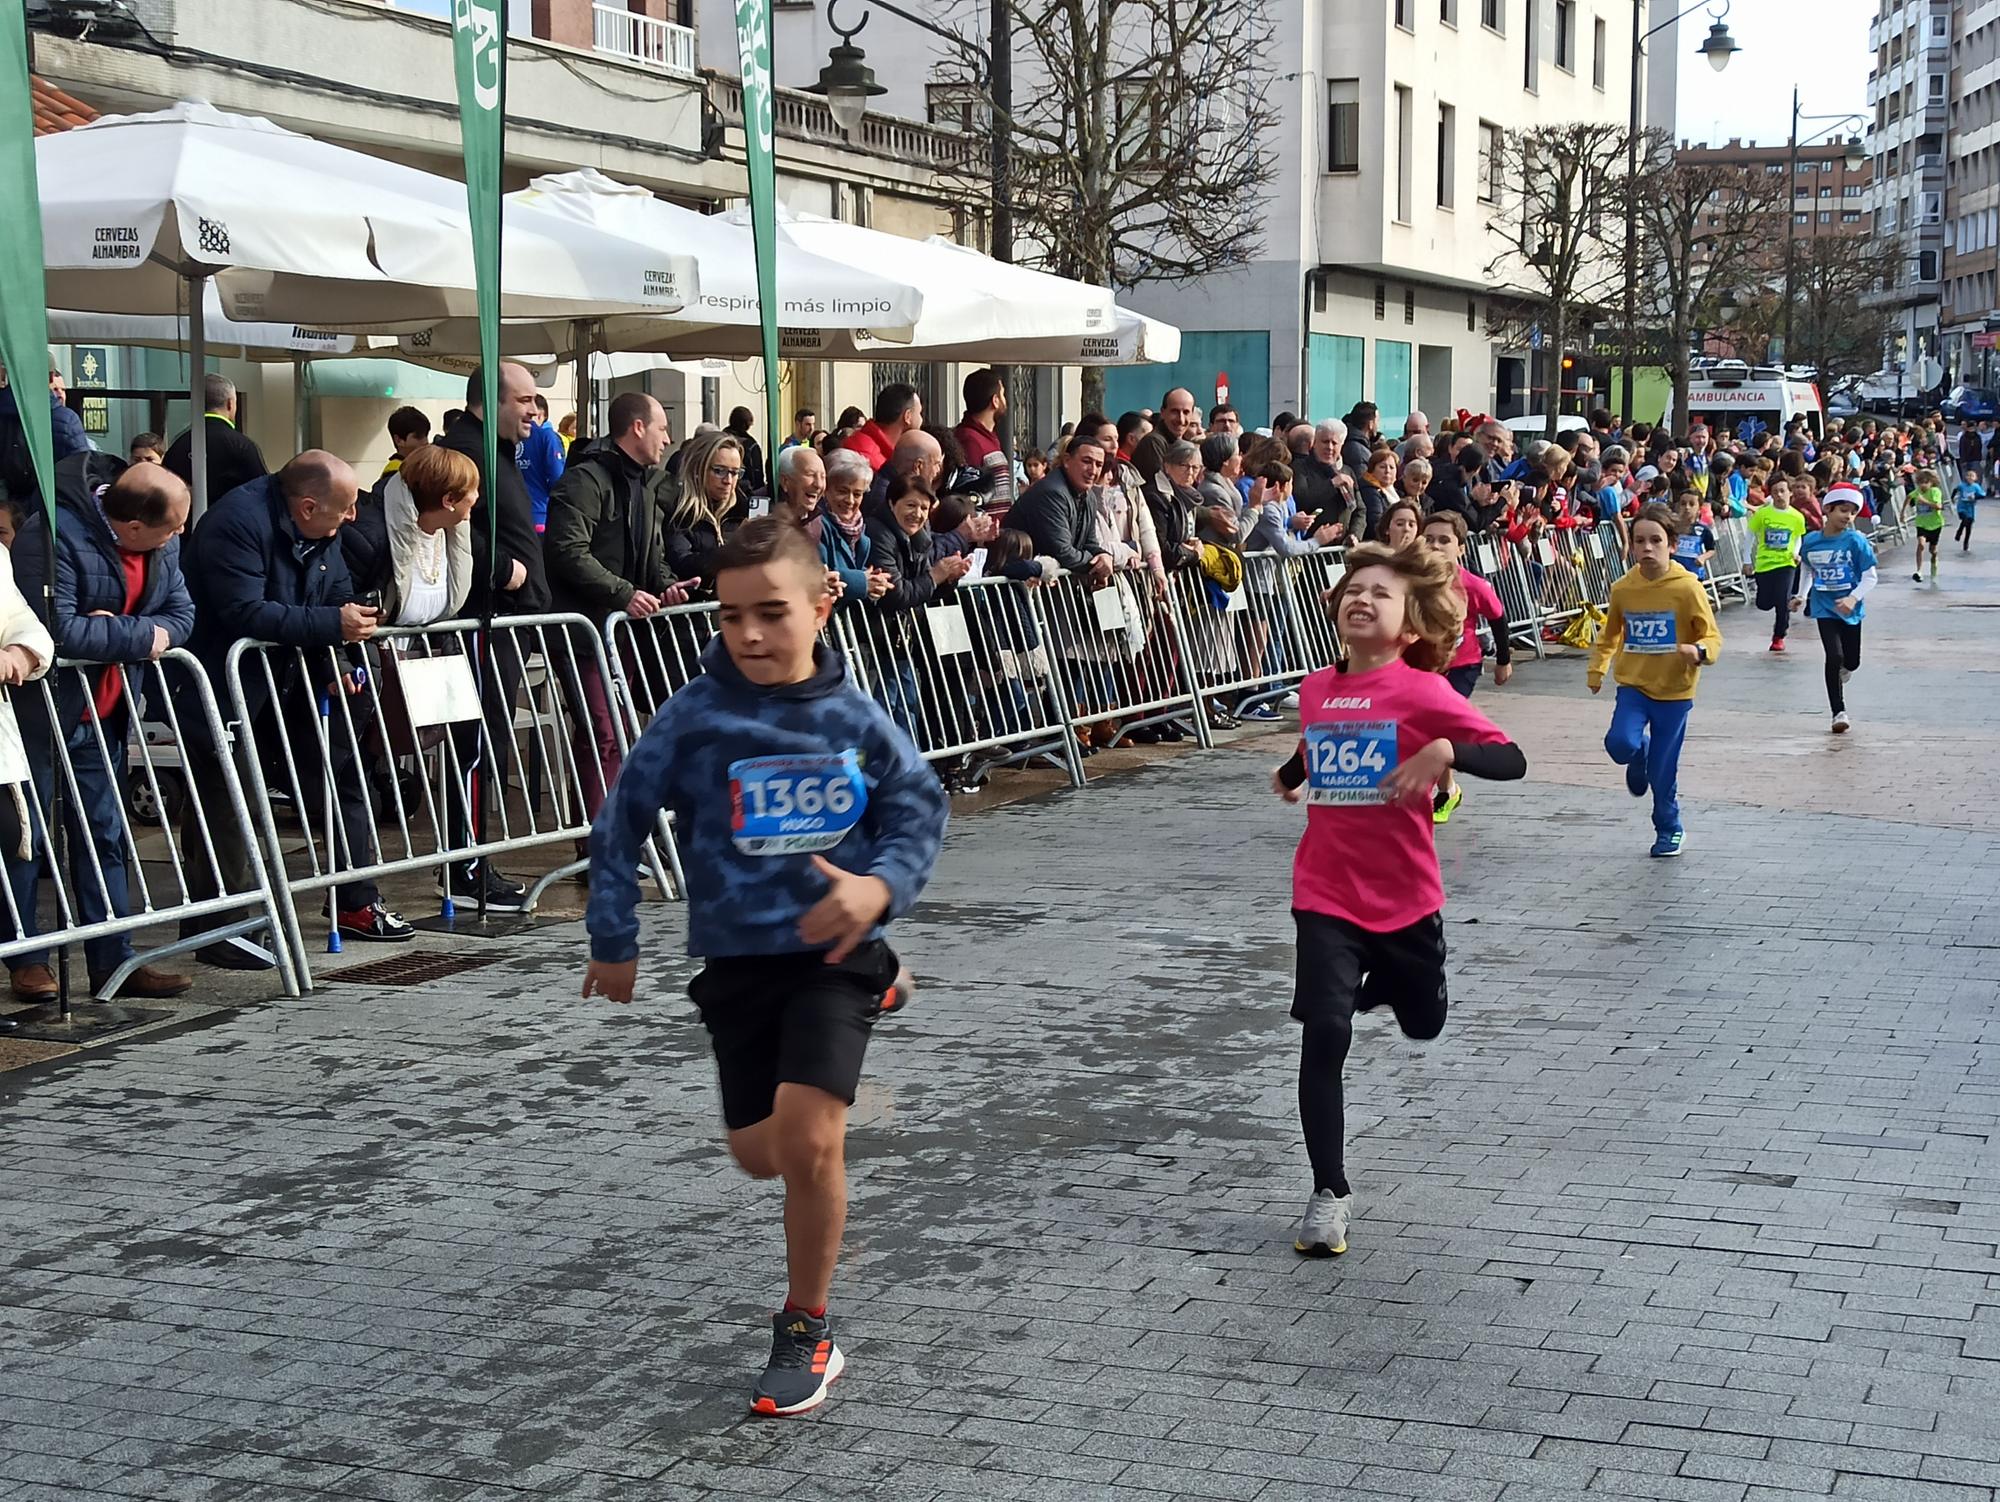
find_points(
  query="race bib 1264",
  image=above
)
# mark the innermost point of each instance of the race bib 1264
(1650, 631)
(792, 805)
(1347, 760)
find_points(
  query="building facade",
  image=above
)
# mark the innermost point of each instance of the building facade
(1828, 196)
(1375, 276)
(1909, 96)
(618, 87)
(1969, 318)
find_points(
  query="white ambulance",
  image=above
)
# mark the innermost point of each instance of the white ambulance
(1730, 394)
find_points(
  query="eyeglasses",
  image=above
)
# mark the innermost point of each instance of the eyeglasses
(721, 473)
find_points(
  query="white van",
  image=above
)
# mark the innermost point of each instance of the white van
(1730, 392)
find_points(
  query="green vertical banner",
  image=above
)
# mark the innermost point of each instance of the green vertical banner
(479, 47)
(754, 27)
(24, 310)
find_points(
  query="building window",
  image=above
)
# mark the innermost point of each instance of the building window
(1493, 15)
(1801, 219)
(1937, 88)
(1773, 169)
(1381, 300)
(1343, 125)
(1597, 50)
(952, 106)
(1448, 12)
(1409, 305)
(1566, 35)
(1403, 15)
(1850, 217)
(1406, 147)
(1853, 190)
(1531, 58)
(1489, 162)
(1471, 316)
(1826, 192)
(1447, 164)
(1825, 217)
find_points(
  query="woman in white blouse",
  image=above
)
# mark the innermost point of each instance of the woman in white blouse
(426, 506)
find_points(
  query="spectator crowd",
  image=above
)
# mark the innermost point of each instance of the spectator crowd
(905, 513)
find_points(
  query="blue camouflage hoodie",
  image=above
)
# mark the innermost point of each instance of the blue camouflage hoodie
(758, 781)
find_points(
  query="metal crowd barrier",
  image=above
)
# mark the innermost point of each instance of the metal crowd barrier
(1257, 642)
(146, 765)
(419, 750)
(968, 676)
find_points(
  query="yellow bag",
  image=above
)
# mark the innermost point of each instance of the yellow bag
(1585, 629)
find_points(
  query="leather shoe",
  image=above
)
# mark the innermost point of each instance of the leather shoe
(229, 954)
(151, 984)
(34, 985)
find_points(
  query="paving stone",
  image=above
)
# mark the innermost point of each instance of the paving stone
(1694, 1199)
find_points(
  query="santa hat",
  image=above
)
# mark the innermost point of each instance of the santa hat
(1845, 492)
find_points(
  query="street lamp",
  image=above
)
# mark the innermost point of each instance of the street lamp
(1718, 47)
(849, 83)
(1855, 158)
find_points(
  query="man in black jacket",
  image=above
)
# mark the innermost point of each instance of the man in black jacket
(508, 573)
(264, 564)
(233, 459)
(606, 557)
(1056, 511)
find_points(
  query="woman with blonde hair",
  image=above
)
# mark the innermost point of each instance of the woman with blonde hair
(711, 470)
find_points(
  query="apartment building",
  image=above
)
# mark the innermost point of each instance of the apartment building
(1828, 196)
(1969, 318)
(1373, 279)
(1909, 95)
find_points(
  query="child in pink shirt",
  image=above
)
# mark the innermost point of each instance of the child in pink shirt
(1379, 732)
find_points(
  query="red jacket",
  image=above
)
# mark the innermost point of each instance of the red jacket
(872, 443)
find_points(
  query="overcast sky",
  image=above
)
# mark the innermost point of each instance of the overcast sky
(1819, 45)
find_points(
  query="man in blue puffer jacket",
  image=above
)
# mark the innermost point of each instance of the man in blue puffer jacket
(119, 599)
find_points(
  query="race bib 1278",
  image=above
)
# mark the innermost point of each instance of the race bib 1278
(1347, 760)
(793, 805)
(1650, 631)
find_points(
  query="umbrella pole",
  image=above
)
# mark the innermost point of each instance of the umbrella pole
(197, 287)
(580, 346)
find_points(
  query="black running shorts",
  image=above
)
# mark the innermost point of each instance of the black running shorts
(1344, 968)
(1464, 680)
(790, 1019)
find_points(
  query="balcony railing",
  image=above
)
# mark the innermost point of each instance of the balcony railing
(644, 40)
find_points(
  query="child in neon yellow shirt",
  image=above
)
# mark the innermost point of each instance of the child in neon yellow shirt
(1777, 529)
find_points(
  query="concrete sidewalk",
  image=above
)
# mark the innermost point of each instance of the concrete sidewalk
(1696, 1198)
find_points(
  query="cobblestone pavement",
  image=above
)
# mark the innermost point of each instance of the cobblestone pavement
(1695, 1199)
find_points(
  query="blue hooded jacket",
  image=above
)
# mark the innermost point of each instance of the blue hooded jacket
(693, 761)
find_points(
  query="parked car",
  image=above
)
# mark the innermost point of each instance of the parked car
(1969, 404)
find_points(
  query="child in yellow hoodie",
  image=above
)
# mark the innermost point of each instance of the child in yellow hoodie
(1662, 630)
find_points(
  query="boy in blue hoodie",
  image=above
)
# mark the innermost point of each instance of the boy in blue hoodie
(808, 821)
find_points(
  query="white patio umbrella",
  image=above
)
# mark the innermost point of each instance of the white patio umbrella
(138, 211)
(1134, 339)
(246, 341)
(816, 294)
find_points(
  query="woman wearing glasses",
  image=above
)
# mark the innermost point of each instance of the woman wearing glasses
(707, 508)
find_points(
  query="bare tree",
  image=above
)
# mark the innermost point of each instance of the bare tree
(1706, 230)
(1138, 135)
(1834, 329)
(1556, 231)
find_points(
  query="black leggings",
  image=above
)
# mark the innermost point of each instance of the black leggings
(1344, 969)
(1964, 534)
(1843, 650)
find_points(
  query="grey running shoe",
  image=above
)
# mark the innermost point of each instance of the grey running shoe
(1323, 1232)
(804, 1363)
(1841, 722)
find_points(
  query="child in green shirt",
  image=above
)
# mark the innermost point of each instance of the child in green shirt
(1927, 508)
(1777, 529)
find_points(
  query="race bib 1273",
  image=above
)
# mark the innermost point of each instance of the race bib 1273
(793, 805)
(1347, 760)
(1650, 631)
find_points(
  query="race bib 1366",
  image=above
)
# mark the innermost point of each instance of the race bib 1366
(792, 805)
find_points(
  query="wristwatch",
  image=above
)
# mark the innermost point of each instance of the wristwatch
(1700, 654)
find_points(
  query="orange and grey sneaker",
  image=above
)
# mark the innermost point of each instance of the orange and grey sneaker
(898, 995)
(804, 1363)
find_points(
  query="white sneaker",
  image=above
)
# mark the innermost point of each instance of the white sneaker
(1845, 674)
(1290, 701)
(1840, 723)
(1323, 1232)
